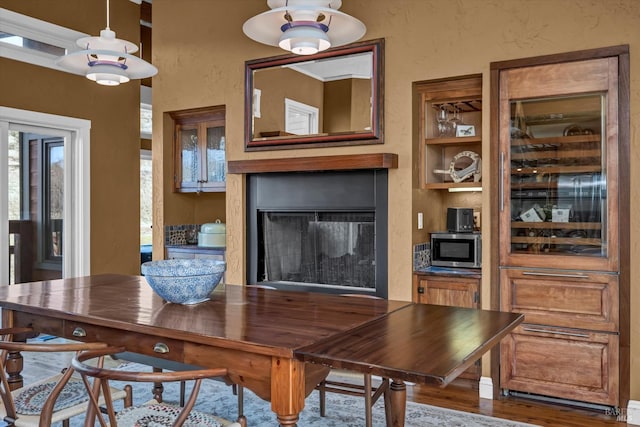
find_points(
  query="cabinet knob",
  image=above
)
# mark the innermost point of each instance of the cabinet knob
(161, 348)
(79, 332)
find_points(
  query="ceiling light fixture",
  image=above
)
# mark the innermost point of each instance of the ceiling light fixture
(107, 60)
(304, 27)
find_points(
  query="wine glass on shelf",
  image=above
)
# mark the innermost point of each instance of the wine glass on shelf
(443, 122)
(455, 119)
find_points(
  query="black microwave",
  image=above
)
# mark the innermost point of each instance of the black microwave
(456, 250)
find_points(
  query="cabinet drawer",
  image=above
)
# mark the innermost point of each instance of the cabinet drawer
(571, 299)
(219, 257)
(542, 360)
(43, 325)
(180, 255)
(149, 345)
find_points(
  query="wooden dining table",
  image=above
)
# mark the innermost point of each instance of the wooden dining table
(279, 344)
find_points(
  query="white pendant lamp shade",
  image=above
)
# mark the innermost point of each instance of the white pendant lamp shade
(304, 27)
(106, 59)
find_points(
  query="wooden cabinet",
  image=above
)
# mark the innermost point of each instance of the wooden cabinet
(558, 148)
(450, 126)
(444, 290)
(568, 346)
(579, 365)
(199, 150)
(572, 299)
(452, 291)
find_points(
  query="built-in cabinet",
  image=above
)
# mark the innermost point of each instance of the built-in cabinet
(446, 290)
(459, 290)
(199, 150)
(450, 132)
(559, 149)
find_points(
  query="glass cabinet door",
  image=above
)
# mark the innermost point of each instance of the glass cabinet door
(216, 165)
(199, 152)
(559, 198)
(558, 177)
(189, 155)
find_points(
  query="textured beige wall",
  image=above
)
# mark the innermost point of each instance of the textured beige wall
(200, 50)
(115, 124)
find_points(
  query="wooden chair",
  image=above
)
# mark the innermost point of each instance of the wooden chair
(41, 402)
(170, 415)
(365, 389)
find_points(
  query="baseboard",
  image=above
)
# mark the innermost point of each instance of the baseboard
(633, 412)
(486, 388)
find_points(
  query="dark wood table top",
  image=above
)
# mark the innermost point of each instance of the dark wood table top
(267, 322)
(418, 343)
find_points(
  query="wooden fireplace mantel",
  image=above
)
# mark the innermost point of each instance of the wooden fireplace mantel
(318, 163)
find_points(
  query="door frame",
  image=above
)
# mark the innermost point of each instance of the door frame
(77, 183)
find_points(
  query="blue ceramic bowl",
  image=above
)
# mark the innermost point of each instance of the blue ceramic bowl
(184, 281)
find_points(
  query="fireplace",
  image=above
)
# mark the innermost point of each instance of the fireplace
(318, 231)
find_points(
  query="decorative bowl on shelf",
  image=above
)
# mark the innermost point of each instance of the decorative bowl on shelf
(184, 281)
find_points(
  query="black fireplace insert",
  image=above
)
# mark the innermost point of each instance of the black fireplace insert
(318, 231)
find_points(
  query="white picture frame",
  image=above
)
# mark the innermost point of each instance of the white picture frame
(465, 130)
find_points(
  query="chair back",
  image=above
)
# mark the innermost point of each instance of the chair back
(7, 384)
(101, 376)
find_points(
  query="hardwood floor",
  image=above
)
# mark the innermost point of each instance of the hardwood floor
(463, 396)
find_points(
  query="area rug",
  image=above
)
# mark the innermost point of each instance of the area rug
(343, 411)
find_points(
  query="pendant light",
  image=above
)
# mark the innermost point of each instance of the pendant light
(304, 27)
(106, 59)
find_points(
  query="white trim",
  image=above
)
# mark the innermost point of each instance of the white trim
(633, 412)
(77, 230)
(485, 390)
(4, 204)
(36, 29)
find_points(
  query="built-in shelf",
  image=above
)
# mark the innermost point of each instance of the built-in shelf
(453, 140)
(318, 163)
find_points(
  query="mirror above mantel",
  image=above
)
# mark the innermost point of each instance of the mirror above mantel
(331, 98)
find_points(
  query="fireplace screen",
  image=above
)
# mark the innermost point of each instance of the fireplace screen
(332, 249)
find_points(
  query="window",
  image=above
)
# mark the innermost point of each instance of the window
(27, 43)
(37, 42)
(146, 199)
(53, 187)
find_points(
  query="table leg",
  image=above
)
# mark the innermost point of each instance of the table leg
(13, 368)
(13, 365)
(287, 390)
(398, 402)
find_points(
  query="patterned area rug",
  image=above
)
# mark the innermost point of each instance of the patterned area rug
(343, 411)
